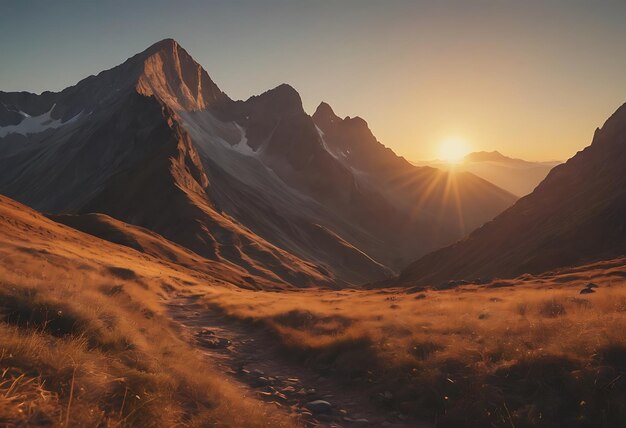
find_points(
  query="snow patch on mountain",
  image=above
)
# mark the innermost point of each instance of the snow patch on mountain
(35, 124)
(242, 146)
(225, 144)
(321, 134)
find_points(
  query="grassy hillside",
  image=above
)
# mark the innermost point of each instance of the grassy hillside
(84, 342)
(517, 353)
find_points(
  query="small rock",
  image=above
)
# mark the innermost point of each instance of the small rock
(415, 289)
(356, 421)
(319, 407)
(213, 342)
(592, 285)
(280, 395)
(420, 296)
(587, 291)
(452, 284)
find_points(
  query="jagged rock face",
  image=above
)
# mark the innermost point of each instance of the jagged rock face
(577, 214)
(170, 74)
(277, 126)
(351, 141)
(431, 205)
(252, 184)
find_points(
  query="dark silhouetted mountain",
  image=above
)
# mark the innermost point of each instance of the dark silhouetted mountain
(576, 215)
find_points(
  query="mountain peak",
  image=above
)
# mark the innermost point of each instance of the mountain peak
(324, 112)
(613, 129)
(170, 74)
(282, 98)
(357, 122)
(324, 116)
(286, 90)
(167, 42)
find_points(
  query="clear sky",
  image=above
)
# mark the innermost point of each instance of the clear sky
(532, 79)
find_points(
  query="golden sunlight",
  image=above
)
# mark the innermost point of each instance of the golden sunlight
(453, 150)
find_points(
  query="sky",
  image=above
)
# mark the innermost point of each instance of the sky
(531, 79)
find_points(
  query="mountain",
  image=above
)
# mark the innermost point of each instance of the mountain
(576, 215)
(434, 205)
(120, 151)
(256, 184)
(67, 240)
(517, 176)
(494, 156)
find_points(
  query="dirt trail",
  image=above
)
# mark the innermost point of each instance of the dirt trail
(250, 356)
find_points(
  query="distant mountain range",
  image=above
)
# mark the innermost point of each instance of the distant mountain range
(518, 176)
(169, 161)
(576, 215)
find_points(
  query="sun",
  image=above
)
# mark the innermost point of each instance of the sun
(453, 150)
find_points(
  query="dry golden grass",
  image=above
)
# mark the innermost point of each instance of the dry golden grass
(529, 352)
(73, 357)
(85, 340)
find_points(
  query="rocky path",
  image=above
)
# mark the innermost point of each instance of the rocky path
(250, 356)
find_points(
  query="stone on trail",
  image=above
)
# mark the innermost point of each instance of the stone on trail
(319, 407)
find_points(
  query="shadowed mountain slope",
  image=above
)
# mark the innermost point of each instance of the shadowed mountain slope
(430, 206)
(155, 246)
(577, 214)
